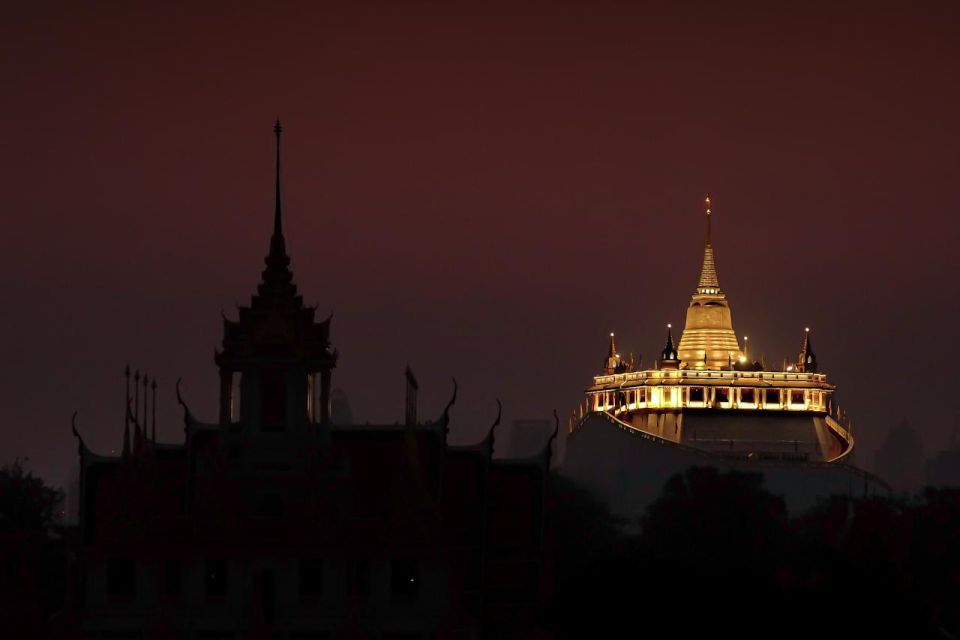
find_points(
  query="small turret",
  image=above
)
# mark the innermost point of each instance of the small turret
(807, 361)
(612, 364)
(669, 358)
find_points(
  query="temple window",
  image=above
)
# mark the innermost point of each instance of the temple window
(696, 394)
(796, 397)
(772, 396)
(746, 395)
(722, 394)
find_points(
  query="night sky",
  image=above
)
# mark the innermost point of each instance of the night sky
(480, 193)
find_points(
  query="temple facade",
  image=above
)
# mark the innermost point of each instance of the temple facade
(273, 521)
(705, 402)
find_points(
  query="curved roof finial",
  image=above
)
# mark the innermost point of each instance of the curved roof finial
(490, 437)
(548, 450)
(445, 418)
(187, 415)
(81, 445)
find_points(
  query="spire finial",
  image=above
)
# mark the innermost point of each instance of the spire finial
(278, 271)
(277, 217)
(669, 353)
(709, 283)
(706, 203)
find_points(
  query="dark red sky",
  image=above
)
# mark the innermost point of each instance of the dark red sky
(483, 193)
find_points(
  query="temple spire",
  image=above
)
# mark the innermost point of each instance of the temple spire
(709, 215)
(612, 362)
(709, 283)
(277, 214)
(277, 244)
(277, 275)
(669, 358)
(807, 362)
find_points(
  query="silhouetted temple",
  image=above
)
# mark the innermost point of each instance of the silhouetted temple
(704, 402)
(274, 522)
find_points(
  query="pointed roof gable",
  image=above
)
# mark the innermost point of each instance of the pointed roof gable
(276, 322)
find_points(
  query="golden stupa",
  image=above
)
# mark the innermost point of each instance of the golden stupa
(709, 341)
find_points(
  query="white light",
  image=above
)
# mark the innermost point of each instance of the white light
(743, 358)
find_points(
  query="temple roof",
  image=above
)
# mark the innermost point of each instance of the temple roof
(276, 323)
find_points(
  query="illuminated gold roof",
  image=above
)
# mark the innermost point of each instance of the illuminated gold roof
(708, 340)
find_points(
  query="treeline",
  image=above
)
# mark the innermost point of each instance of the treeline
(717, 554)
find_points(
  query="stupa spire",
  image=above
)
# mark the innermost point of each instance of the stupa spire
(709, 283)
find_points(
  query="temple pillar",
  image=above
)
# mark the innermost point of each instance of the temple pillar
(325, 396)
(226, 392)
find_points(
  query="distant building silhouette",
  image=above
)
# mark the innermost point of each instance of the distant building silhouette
(900, 459)
(943, 469)
(526, 437)
(705, 402)
(283, 520)
(340, 412)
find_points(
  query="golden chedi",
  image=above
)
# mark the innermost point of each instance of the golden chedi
(708, 340)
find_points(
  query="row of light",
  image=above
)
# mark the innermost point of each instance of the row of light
(742, 358)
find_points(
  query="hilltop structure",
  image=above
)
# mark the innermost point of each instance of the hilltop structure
(704, 402)
(276, 522)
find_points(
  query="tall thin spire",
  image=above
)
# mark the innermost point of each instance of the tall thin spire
(277, 273)
(612, 363)
(808, 359)
(709, 215)
(277, 217)
(709, 283)
(277, 244)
